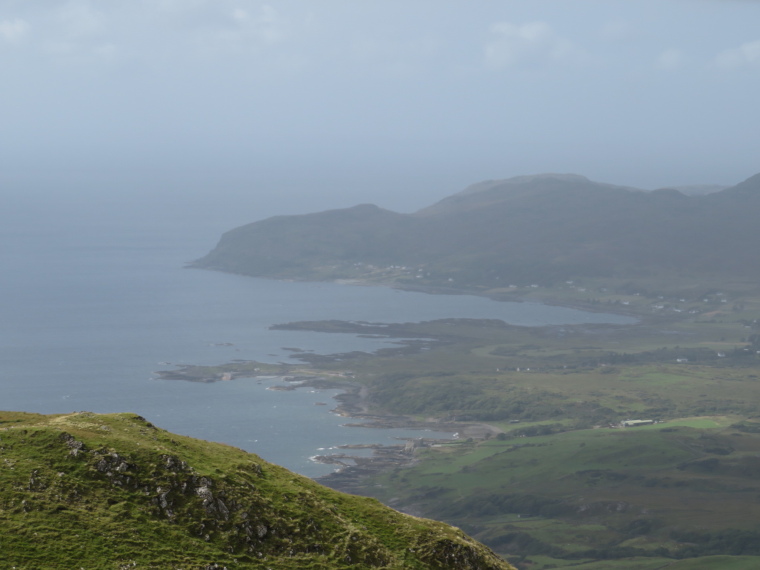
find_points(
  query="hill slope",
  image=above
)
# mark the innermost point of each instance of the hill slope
(113, 491)
(542, 228)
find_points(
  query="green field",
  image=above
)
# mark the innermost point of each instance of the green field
(558, 482)
(598, 493)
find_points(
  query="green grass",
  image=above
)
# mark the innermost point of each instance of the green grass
(700, 423)
(587, 490)
(546, 562)
(104, 491)
(718, 563)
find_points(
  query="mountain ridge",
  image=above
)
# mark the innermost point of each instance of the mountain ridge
(532, 229)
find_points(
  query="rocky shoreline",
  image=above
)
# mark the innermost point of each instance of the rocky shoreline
(352, 404)
(353, 469)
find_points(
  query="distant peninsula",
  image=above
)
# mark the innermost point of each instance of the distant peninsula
(500, 234)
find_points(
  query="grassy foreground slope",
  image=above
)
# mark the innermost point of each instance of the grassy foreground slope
(113, 491)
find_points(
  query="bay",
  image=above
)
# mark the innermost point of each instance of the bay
(88, 312)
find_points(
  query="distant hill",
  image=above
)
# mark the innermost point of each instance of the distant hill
(699, 189)
(113, 491)
(529, 229)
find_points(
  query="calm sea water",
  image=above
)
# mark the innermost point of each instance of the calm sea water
(88, 312)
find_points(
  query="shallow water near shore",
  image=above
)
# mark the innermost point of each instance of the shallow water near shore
(89, 312)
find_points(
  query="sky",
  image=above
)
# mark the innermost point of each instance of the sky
(238, 110)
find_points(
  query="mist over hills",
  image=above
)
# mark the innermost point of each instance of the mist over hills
(530, 229)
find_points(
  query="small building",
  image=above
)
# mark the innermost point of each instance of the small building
(636, 423)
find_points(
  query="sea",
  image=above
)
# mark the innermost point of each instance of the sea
(92, 306)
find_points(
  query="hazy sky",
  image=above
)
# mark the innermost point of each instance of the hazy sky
(335, 102)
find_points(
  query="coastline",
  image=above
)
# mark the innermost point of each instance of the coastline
(351, 403)
(435, 289)
(352, 469)
(500, 297)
